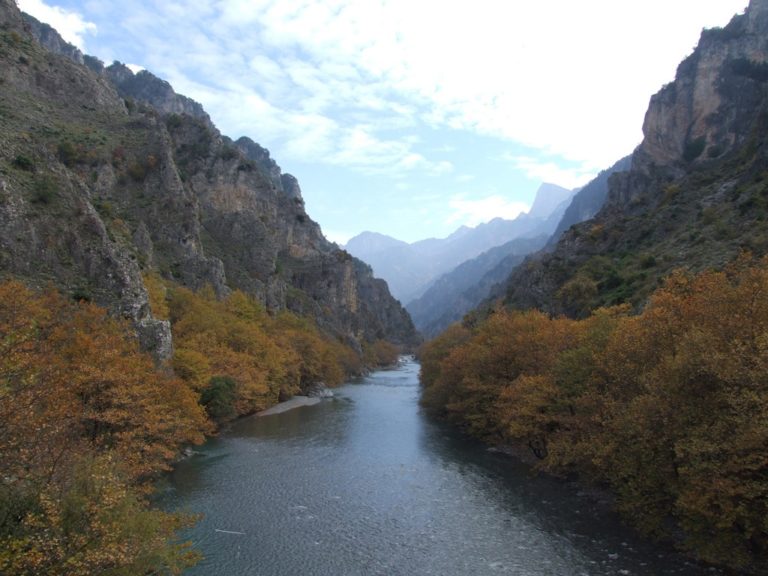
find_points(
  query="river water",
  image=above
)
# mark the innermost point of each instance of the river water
(366, 484)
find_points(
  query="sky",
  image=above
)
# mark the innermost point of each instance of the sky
(409, 117)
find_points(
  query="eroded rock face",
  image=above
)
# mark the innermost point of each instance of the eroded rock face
(134, 177)
(693, 197)
(708, 109)
(51, 40)
(145, 87)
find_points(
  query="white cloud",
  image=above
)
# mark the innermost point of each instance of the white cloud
(69, 24)
(477, 211)
(550, 171)
(570, 79)
(346, 83)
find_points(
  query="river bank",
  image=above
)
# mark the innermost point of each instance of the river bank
(295, 402)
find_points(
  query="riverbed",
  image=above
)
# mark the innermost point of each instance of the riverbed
(365, 483)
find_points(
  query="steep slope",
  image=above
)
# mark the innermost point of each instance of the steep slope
(588, 201)
(410, 269)
(457, 292)
(107, 175)
(695, 195)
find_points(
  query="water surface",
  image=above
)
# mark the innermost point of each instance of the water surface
(367, 484)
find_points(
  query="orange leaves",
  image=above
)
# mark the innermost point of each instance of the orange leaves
(268, 358)
(85, 381)
(669, 407)
(85, 420)
(95, 524)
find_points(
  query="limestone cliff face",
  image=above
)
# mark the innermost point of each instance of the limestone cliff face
(708, 109)
(106, 174)
(694, 195)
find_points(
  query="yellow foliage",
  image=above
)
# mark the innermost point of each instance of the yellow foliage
(669, 407)
(158, 294)
(269, 358)
(85, 421)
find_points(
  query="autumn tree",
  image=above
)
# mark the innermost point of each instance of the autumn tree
(85, 421)
(669, 408)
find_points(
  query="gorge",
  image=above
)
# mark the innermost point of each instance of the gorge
(162, 283)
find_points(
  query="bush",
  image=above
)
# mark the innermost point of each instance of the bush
(24, 163)
(173, 121)
(219, 398)
(137, 171)
(44, 190)
(693, 149)
(68, 153)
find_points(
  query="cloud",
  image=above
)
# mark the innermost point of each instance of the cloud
(71, 25)
(553, 172)
(568, 79)
(474, 212)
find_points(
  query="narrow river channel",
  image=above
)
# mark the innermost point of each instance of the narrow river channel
(367, 484)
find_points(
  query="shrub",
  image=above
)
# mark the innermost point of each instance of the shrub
(24, 163)
(68, 153)
(44, 190)
(137, 171)
(219, 397)
(693, 149)
(173, 121)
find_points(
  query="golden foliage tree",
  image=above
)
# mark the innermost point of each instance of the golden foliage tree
(668, 407)
(85, 420)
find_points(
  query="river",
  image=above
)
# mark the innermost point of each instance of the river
(367, 484)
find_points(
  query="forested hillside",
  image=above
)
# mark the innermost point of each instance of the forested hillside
(158, 279)
(668, 408)
(633, 355)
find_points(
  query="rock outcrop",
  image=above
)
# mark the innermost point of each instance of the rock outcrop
(589, 200)
(107, 174)
(695, 195)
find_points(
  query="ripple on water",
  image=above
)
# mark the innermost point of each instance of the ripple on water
(366, 484)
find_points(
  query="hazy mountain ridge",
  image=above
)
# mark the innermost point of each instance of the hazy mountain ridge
(410, 269)
(453, 294)
(695, 194)
(107, 174)
(457, 292)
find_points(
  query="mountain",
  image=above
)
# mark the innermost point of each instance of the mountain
(108, 176)
(588, 201)
(695, 195)
(548, 198)
(410, 269)
(455, 293)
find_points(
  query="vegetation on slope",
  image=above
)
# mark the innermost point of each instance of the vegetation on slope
(87, 421)
(668, 408)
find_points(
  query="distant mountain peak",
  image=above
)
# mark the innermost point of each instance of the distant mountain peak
(548, 198)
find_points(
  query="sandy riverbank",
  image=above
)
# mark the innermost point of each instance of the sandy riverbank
(295, 402)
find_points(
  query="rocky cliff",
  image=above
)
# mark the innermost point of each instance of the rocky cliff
(107, 175)
(696, 193)
(588, 201)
